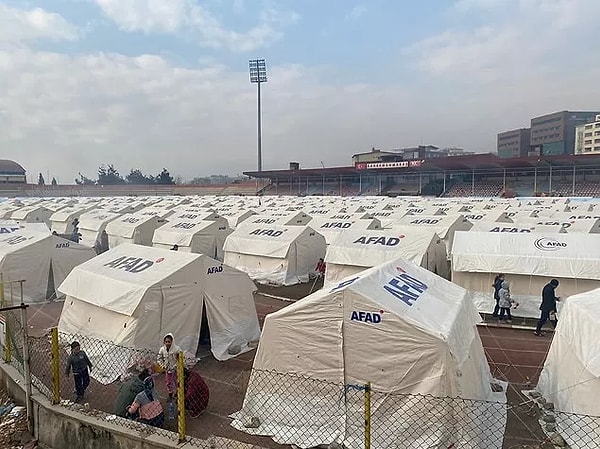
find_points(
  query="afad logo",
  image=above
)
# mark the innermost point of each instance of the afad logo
(366, 317)
(405, 287)
(132, 264)
(217, 269)
(268, 232)
(379, 240)
(548, 244)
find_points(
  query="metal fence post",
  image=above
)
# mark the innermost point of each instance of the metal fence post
(26, 364)
(368, 415)
(55, 367)
(180, 398)
(7, 350)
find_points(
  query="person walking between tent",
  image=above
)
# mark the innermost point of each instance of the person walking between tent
(79, 362)
(167, 360)
(147, 406)
(498, 280)
(548, 306)
(505, 302)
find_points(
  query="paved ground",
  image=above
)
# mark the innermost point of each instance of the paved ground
(514, 355)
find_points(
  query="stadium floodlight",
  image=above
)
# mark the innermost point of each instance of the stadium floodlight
(258, 75)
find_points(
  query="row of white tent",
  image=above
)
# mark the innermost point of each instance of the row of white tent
(283, 246)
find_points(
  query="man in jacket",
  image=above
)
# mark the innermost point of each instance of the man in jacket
(548, 306)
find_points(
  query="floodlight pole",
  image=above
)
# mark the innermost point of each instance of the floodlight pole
(258, 75)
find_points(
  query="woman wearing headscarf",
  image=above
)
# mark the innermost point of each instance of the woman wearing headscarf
(147, 405)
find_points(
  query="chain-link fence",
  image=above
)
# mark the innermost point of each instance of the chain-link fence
(228, 402)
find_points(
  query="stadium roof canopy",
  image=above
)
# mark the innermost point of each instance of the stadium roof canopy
(477, 162)
(8, 167)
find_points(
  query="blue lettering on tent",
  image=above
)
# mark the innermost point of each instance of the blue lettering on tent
(334, 224)
(379, 240)
(218, 269)
(184, 225)
(264, 220)
(269, 232)
(343, 284)
(130, 264)
(429, 221)
(365, 317)
(4, 230)
(405, 288)
(62, 245)
(499, 229)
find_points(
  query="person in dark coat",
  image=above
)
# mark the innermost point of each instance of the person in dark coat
(498, 280)
(196, 393)
(548, 306)
(128, 390)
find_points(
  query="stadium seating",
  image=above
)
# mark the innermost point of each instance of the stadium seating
(582, 188)
(481, 188)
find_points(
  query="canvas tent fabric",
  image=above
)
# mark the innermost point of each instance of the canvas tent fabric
(91, 225)
(570, 378)
(529, 260)
(193, 236)
(398, 326)
(133, 228)
(132, 295)
(354, 251)
(32, 214)
(330, 228)
(62, 220)
(282, 255)
(39, 258)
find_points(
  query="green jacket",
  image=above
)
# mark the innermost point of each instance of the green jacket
(127, 393)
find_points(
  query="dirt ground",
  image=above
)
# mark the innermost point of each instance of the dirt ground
(514, 355)
(13, 429)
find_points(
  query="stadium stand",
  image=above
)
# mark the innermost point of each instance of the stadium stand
(480, 188)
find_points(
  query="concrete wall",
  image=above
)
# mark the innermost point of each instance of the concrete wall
(59, 427)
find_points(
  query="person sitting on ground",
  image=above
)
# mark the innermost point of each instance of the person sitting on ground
(146, 405)
(196, 393)
(128, 390)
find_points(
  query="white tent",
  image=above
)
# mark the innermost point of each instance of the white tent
(32, 214)
(132, 295)
(354, 251)
(330, 228)
(292, 219)
(91, 225)
(283, 255)
(444, 226)
(193, 236)
(571, 375)
(529, 260)
(39, 258)
(62, 220)
(409, 333)
(133, 228)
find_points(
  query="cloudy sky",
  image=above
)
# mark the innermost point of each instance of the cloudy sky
(163, 83)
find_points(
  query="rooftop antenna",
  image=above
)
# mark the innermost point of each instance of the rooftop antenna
(322, 165)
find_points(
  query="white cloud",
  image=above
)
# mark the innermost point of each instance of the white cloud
(19, 25)
(189, 16)
(356, 12)
(516, 36)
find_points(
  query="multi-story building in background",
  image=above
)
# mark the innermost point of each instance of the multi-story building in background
(554, 133)
(587, 137)
(514, 143)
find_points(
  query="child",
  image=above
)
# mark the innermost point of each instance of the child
(78, 361)
(505, 302)
(167, 360)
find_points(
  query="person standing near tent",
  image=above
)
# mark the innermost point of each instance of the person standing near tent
(498, 280)
(147, 406)
(548, 306)
(167, 361)
(321, 267)
(103, 241)
(79, 362)
(505, 302)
